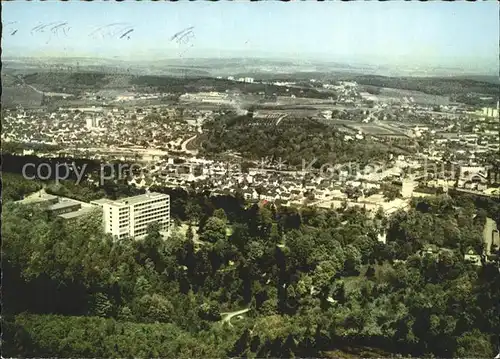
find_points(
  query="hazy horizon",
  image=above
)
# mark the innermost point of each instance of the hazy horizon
(458, 35)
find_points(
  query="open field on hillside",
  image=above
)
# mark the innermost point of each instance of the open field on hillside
(20, 95)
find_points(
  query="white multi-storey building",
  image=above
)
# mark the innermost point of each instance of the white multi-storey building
(491, 112)
(92, 122)
(130, 217)
(408, 186)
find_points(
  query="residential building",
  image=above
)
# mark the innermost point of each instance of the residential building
(130, 217)
(92, 122)
(473, 258)
(407, 188)
(490, 112)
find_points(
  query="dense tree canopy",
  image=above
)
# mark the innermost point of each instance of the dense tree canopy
(314, 281)
(292, 140)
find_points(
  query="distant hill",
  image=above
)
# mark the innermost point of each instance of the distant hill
(431, 85)
(488, 79)
(181, 79)
(20, 95)
(66, 81)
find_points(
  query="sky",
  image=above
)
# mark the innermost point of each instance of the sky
(463, 34)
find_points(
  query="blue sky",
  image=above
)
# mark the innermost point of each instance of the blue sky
(455, 33)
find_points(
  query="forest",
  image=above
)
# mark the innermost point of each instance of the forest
(68, 82)
(315, 282)
(471, 91)
(292, 140)
(467, 91)
(431, 85)
(204, 83)
(77, 82)
(454, 86)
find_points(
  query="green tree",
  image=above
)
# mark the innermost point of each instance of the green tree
(391, 192)
(214, 230)
(193, 211)
(101, 306)
(210, 311)
(154, 308)
(221, 214)
(125, 314)
(474, 344)
(324, 274)
(353, 260)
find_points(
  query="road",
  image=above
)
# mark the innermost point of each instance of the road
(30, 86)
(124, 150)
(34, 88)
(185, 143)
(226, 317)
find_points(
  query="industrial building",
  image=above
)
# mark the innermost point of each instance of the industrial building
(130, 217)
(208, 97)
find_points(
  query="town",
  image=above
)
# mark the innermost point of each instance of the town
(166, 141)
(433, 148)
(250, 180)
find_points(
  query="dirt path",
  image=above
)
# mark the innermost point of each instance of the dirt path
(226, 317)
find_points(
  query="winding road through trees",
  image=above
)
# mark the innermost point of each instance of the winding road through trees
(227, 316)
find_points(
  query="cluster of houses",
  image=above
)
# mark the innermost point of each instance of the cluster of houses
(94, 127)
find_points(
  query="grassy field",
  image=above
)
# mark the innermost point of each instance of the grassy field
(374, 129)
(388, 94)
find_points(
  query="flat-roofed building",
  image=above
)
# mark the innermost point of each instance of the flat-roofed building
(55, 206)
(130, 217)
(473, 258)
(100, 202)
(64, 206)
(408, 187)
(75, 214)
(42, 198)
